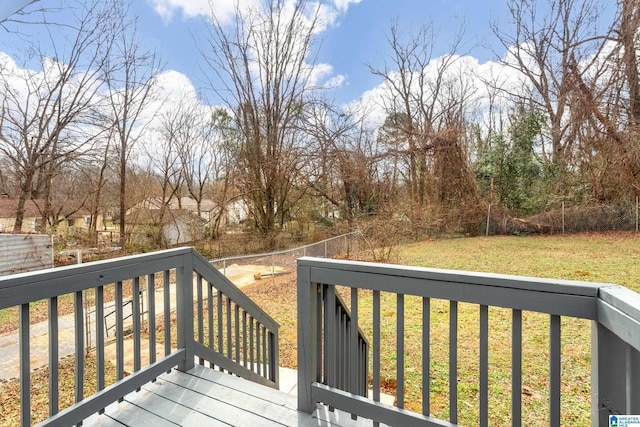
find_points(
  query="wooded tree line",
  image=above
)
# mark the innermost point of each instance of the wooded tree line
(555, 118)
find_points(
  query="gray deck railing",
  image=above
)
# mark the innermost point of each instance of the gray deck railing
(613, 310)
(344, 354)
(220, 326)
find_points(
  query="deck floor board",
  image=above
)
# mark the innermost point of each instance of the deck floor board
(203, 397)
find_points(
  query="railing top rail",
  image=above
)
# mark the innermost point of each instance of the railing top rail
(460, 276)
(560, 297)
(27, 287)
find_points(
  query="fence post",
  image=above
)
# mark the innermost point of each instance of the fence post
(488, 218)
(273, 270)
(636, 214)
(563, 217)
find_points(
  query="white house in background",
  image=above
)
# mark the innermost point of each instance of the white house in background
(234, 213)
(177, 226)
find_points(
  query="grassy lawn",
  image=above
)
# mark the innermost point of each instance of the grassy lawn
(608, 258)
(598, 257)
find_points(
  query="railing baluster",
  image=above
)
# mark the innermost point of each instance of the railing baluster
(453, 362)
(484, 366)
(265, 361)
(318, 332)
(554, 371)
(236, 311)
(516, 369)
(210, 313)
(100, 359)
(353, 338)
(229, 336)
(166, 283)
(400, 352)
(258, 358)
(135, 311)
(426, 356)
(220, 335)
(25, 367)
(119, 333)
(330, 331)
(244, 338)
(340, 353)
(324, 334)
(365, 368)
(54, 407)
(346, 351)
(200, 314)
(79, 346)
(151, 317)
(376, 346)
(251, 348)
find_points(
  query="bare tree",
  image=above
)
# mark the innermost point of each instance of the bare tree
(46, 117)
(606, 104)
(264, 63)
(208, 159)
(347, 166)
(549, 37)
(131, 73)
(426, 101)
(628, 42)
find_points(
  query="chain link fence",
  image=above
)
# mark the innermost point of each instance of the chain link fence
(246, 269)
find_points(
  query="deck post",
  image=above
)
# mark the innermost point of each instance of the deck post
(184, 306)
(609, 385)
(307, 338)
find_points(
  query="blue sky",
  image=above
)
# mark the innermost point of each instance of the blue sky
(356, 37)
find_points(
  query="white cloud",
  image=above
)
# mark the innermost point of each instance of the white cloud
(335, 81)
(224, 9)
(322, 76)
(343, 5)
(190, 8)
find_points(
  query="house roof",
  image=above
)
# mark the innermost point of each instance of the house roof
(33, 208)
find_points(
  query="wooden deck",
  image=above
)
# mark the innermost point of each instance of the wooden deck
(203, 397)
